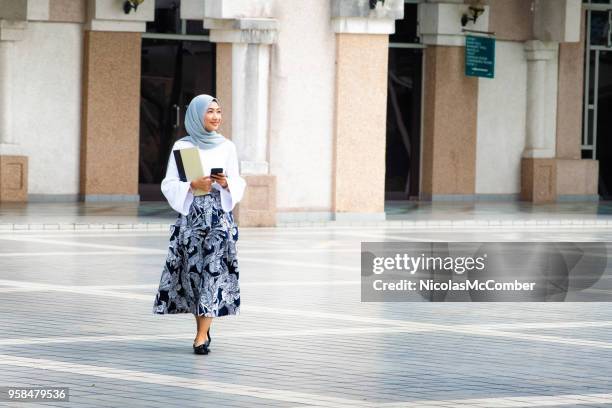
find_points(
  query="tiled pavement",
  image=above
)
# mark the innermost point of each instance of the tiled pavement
(75, 311)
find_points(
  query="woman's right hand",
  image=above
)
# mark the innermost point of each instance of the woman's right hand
(202, 183)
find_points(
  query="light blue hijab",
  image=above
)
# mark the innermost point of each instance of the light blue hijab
(196, 132)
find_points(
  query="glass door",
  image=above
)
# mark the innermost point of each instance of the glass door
(177, 63)
(597, 122)
(404, 108)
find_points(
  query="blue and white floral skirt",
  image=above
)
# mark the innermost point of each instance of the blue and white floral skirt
(200, 275)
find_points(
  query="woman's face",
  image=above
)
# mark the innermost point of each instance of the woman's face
(212, 117)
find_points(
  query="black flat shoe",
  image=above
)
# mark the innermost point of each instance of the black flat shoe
(204, 347)
(201, 349)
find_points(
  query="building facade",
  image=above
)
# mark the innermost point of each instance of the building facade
(335, 106)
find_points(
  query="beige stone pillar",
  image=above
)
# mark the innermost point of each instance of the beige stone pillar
(13, 163)
(577, 178)
(448, 169)
(362, 41)
(111, 116)
(243, 63)
(449, 126)
(111, 101)
(360, 130)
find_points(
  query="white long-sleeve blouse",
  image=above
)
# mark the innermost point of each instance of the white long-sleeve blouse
(179, 194)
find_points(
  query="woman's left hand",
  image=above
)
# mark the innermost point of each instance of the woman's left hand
(220, 179)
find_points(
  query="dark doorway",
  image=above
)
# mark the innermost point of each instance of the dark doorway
(604, 125)
(177, 64)
(597, 123)
(404, 109)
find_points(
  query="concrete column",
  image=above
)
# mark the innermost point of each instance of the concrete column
(111, 117)
(14, 17)
(6, 93)
(449, 127)
(538, 167)
(538, 143)
(543, 175)
(535, 140)
(250, 76)
(450, 103)
(244, 54)
(13, 163)
(359, 132)
(577, 178)
(111, 101)
(362, 41)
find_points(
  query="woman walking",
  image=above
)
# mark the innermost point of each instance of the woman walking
(200, 275)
